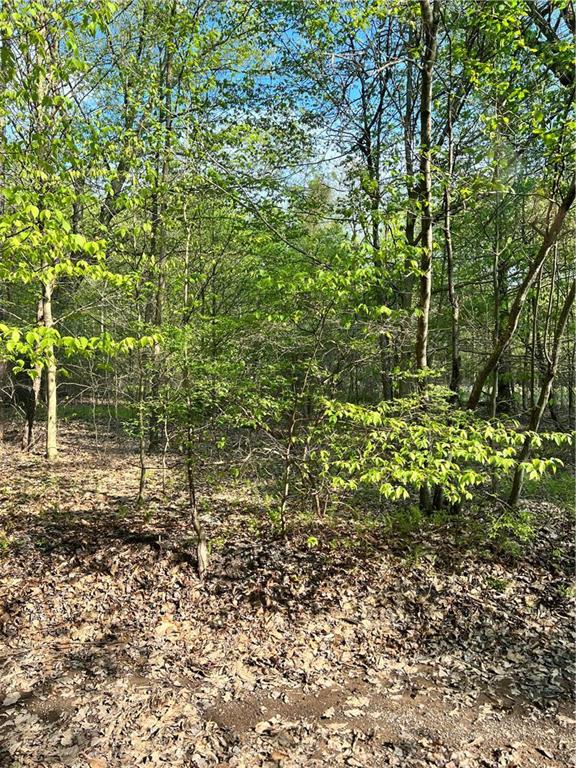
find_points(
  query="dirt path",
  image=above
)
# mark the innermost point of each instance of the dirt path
(112, 654)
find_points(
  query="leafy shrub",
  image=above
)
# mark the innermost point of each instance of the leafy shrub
(422, 440)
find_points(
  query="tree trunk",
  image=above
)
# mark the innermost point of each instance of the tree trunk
(141, 436)
(505, 399)
(202, 554)
(571, 385)
(287, 469)
(33, 394)
(430, 15)
(201, 540)
(159, 234)
(51, 394)
(30, 403)
(407, 287)
(496, 287)
(455, 357)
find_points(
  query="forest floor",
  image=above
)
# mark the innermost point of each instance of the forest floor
(357, 649)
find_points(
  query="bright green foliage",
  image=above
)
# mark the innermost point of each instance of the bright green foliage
(397, 447)
(45, 183)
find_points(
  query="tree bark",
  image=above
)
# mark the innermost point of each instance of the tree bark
(159, 233)
(51, 393)
(571, 385)
(455, 357)
(430, 16)
(407, 287)
(202, 558)
(33, 393)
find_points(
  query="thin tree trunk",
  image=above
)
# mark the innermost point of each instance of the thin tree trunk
(51, 394)
(534, 346)
(370, 146)
(412, 195)
(40, 128)
(571, 385)
(202, 554)
(201, 541)
(287, 471)
(505, 390)
(34, 393)
(524, 379)
(552, 402)
(159, 232)
(32, 402)
(455, 357)
(496, 273)
(430, 15)
(412, 189)
(141, 437)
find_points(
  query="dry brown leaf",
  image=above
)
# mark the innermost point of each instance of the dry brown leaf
(97, 762)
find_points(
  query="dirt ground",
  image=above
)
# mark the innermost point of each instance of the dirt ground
(336, 651)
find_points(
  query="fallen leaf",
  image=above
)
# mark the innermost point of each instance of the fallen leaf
(97, 762)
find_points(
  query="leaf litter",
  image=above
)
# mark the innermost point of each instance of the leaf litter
(113, 654)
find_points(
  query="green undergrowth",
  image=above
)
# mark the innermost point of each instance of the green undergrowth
(102, 413)
(559, 489)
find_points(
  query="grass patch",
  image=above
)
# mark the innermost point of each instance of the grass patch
(559, 489)
(101, 412)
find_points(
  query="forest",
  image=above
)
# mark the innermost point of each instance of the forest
(287, 383)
